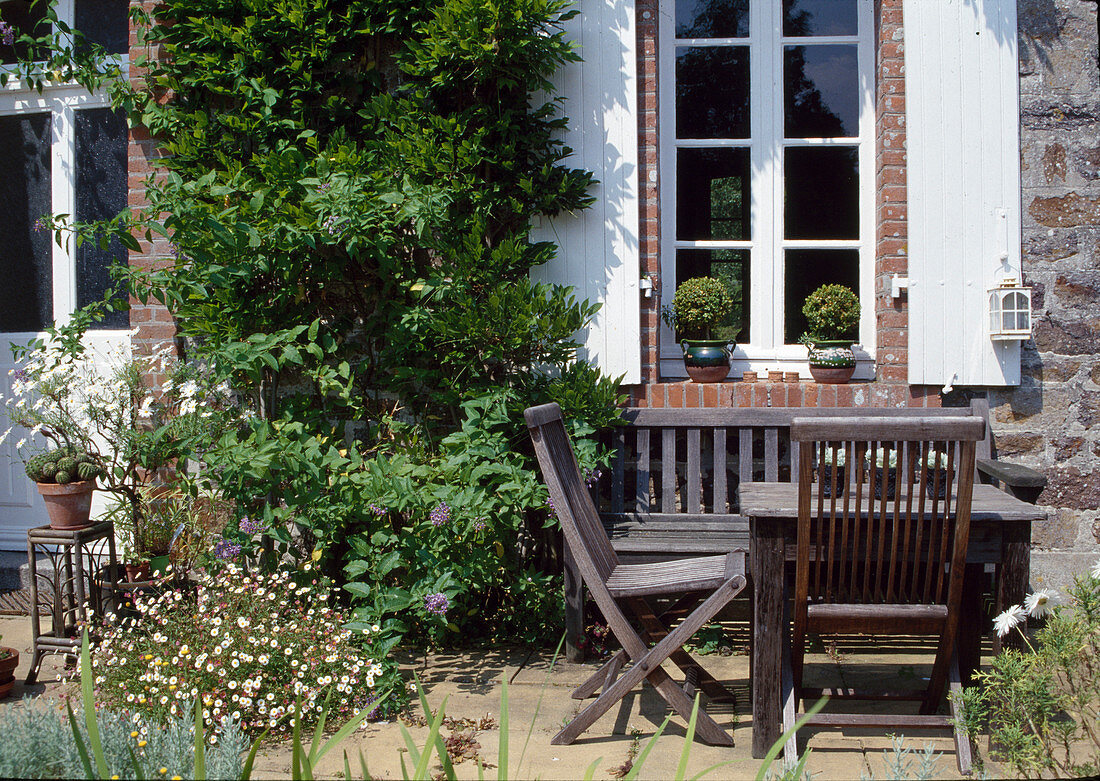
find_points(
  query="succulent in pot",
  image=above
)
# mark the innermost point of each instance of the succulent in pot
(66, 478)
(699, 306)
(832, 314)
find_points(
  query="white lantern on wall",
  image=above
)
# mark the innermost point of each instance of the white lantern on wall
(1010, 311)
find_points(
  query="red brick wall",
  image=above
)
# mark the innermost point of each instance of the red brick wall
(153, 322)
(890, 387)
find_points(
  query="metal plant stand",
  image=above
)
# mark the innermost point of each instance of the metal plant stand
(76, 587)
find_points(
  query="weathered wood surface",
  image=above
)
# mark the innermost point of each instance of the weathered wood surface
(780, 500)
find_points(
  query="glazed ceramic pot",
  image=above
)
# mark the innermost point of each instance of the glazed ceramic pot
(707, 360)
(7, 670)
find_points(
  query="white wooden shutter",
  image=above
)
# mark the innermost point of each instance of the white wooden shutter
(962, 117)
(598, 247)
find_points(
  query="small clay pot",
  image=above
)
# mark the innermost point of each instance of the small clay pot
(69, 506)
(775, 375)
(7, 670)
(748, 376)
(790, 376)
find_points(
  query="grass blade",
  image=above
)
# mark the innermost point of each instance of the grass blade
(338, 737)
(363, 766)
(200, 744)
(773, 752)
(250, 760)
(711, 769)
(319, 729)
(347, 767)
(681, 769)
(633, 774)
(88, 695)
(296, 744)
(590, 773)
(139, 774)
(421, 770)
(441, 749)
(414, 752)
(502, 753)
(81, 749)
(538, 705)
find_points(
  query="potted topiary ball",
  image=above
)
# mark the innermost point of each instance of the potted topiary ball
(699, 305)
(832, 313)
(66, 478)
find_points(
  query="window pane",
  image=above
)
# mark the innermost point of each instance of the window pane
(732, 267)
(821, 91)
(105, 22)
(807, 270)
(712, 194)
(712, 18)
(23, 19)
(100, 194)
(712, 92)
(26, 255)
(821, 193)
(819, 17)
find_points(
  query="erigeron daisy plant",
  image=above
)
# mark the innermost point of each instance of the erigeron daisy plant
(247, 645)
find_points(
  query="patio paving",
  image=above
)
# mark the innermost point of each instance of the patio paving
(539, 704)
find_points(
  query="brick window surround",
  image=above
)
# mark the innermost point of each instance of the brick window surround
(890, 388)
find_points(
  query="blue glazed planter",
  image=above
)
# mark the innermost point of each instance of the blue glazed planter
(707, 360)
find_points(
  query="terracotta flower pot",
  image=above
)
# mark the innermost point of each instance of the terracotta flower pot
(832, 375)
(69, 506)
(137, 573)
(7, 670)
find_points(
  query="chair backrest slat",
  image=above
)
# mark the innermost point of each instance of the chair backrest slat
(694, 485)
(641, 490)
(719, 502)
(874, 522)
(668, 470)
(572, 502)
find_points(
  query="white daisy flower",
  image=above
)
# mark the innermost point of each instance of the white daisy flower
(1041, 602)
(1012, 617)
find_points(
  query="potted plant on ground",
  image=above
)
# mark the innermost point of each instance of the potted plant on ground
(9, 660)
(832, 314)
(698, 307)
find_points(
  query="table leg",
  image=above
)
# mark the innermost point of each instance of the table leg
(1013, 573)
(766, 562)
(971, 623)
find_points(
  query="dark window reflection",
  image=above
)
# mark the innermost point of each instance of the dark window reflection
(807, 270)
(819, 17)
(712, 18)
(821, 193)
(732, 267)
(712, 194)
(821, 91)
(100, 194)
(26, 254)
(105, 22)
(712, 92)
(25, 20)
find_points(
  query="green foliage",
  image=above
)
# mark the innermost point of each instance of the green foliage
(1041, 704)
(698, 305)
(832, 312)
(349, 190)
(63, 465)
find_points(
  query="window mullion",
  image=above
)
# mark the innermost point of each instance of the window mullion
(766, 162)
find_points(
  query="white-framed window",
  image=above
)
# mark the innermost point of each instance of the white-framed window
(63, 151)
(766, 123)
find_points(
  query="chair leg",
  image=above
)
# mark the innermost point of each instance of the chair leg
(963, 748)
(602, 678)
(647, 665)
(654, 629)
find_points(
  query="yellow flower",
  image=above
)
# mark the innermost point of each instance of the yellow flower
(134, 734)
(164, 771)
(142, 743)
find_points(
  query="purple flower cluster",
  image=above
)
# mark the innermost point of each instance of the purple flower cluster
(440, 514)
(550, 502)
(377, 510)
(332, 225)
(479, 525)
(592, 476)
(227, 549)
(7, 33)
(42, 224)
(250, 526)
(324, 187)
(19, 375)
(437, 603)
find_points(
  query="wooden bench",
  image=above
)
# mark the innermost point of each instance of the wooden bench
(672, 490)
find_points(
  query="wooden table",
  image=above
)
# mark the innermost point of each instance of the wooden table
(1000, 534)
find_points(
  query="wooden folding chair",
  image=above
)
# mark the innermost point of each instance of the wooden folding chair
(882, 539)
(700, 587)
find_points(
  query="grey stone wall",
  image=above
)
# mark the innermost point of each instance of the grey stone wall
(1052, 420)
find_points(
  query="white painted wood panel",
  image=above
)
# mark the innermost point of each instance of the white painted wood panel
(962, 120)
(598, 248)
